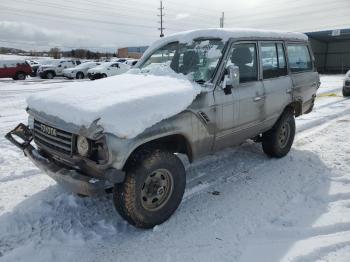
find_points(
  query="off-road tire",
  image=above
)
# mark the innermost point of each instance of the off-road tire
(80, 75)
(345, 92)
(127, 196)
(49, 75)
(272, 143)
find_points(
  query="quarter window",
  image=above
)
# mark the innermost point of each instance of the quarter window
(273, 60)
(299, 58)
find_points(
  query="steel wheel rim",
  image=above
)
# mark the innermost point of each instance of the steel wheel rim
(21, 77)
(283, 136)
(156, 189)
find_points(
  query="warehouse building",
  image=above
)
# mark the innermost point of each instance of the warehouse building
(332, 50)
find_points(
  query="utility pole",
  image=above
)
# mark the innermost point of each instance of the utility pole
(222, 19)
(161, 15)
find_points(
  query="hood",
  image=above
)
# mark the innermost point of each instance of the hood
(98, 69)
(68, 70)
(125, 104)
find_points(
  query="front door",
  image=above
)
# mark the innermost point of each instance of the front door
(243, 110)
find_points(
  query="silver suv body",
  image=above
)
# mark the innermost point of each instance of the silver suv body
(252, 89)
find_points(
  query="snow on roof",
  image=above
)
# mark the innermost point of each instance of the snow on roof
(225, 34)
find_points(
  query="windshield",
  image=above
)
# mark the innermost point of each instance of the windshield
(197, 60)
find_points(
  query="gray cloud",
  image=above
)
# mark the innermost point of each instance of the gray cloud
(21, 33)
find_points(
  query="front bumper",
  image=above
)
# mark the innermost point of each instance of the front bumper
(69, 75)
(73, 180)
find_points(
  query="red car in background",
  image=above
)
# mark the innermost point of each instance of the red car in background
(15, 69)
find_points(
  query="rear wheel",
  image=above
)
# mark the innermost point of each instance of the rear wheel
(152, 190)
(278, 141)
(346, 92)
(80, 75)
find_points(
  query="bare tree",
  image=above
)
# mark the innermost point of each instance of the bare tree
(55, 52)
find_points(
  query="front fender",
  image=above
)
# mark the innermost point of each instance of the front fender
(186, 124)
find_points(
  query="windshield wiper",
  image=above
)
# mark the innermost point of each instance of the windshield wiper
(200, 81)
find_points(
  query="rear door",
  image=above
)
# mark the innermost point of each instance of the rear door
(304, 77)
(277, 83)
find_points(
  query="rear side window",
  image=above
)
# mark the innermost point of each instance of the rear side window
(299, 58)
(273, 60)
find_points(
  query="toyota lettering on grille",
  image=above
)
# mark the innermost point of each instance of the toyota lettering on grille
(48, 130)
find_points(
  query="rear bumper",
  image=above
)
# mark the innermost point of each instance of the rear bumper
(71, 179)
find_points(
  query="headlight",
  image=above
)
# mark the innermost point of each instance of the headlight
(31, 122)
(83, 146)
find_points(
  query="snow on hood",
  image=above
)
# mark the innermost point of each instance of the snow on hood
(126, 104)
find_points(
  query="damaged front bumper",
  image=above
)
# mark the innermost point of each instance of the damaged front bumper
(73, 180)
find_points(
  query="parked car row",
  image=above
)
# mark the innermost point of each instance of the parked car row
(70, 68)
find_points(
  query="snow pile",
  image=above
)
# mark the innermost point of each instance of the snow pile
(126, 104)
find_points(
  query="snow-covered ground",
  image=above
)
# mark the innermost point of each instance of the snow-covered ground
(239, 205)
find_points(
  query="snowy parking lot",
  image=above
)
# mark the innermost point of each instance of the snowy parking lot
(239, 205)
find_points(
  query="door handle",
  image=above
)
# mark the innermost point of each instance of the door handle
(258, 98)
(314, 84)
(289, 90)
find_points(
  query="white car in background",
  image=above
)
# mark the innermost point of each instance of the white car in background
(80, 71)
(107, 69)
(346, 84)
(131, 62)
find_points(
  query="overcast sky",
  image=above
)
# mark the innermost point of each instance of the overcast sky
(105, 24)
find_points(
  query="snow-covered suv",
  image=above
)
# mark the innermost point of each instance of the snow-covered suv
(56, 68)
(192, 93)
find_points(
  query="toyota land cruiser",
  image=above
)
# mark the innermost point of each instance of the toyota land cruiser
(253, 85)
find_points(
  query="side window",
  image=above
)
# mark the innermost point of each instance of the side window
(244, 56)
(273, 60)
(162, 55)
(299, 58)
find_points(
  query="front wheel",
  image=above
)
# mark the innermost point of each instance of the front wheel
(153, 188)
(278, 141)
(21, 76)
(346, 92)
(50, 75)
(80, 75)
(104, 75)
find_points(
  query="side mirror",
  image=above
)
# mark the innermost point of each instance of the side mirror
(231, 79)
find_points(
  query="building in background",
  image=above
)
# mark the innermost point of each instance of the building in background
(131, 52)
(332, 50)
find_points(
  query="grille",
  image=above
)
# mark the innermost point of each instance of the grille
(61, 142)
